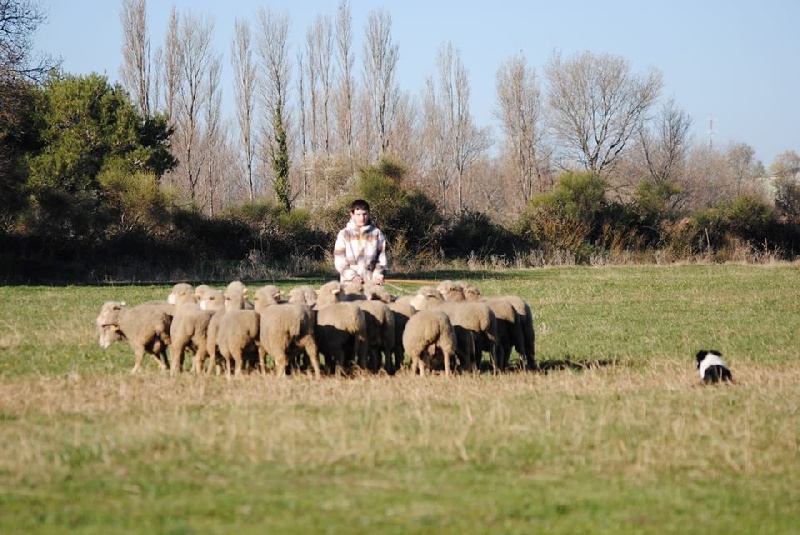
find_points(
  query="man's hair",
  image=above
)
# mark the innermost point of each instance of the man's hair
(359, 204)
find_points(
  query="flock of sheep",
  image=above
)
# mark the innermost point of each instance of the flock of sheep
(352, 326)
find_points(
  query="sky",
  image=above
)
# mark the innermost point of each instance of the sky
(733, 66)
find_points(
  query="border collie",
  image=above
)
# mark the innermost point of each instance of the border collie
(711, 367)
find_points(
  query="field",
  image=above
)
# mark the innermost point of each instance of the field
(616, 436)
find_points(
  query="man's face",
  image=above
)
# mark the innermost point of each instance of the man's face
(360, 217)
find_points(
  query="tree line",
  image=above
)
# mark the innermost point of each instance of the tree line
(147, 178)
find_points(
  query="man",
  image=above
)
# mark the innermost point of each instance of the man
(360, 251)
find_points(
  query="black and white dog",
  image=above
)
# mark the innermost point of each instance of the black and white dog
(711, 367)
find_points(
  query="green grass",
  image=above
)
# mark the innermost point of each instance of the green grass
(634, 446)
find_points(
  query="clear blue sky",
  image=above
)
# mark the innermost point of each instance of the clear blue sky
(736, 62)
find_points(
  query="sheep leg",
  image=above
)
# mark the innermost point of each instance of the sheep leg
(160, 354)
(199, 359)
(447, 362)
(177, 351)
(415, 363)
(262, 359)
(313, 354)
(398, 359)
(138, 363)
(360, 350)
(237, 361)
(280, 359)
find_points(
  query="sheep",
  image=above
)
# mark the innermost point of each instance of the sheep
(189, 330)
(468, 318)
(200, 291)
(182, 289)
(146, 327)
(266, 296)
(236, 338)
(236, 297)
(287, 330)
(402, 312)
(304, 294)
(380, 324)
(509, 327)
(213, 300)
(526, 344)
(341, 330)
(429, 328)
(377, 292)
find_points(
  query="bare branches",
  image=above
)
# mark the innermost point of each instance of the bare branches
(598, 105)
(19, 20)
(135, 69)
(380, 63)
(666, 148)
(244, 88)
(521, 112)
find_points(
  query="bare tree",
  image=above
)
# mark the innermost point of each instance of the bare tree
(380, 63)
(521, 113)
(214, 142)
(169, 63)
(707, 180)
(433, 133)
(274, 54)
(192, 96)
(305, 158)
(598, 105)
(244, 88)
(308, 77)
(345, 86)
(786, 165)
(744, 166)
(321, 55)
(665, 148)
(19, 20)
(463, 140)
(135, 69)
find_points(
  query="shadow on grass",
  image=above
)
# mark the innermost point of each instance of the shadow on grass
(547, 366)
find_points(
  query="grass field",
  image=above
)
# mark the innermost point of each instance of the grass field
(618, 436)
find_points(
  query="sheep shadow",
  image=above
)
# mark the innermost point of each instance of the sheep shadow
(567, 363)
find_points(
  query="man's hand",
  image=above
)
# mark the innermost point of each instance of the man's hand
(377, 278)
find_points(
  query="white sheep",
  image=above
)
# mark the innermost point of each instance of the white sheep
(509, 326)
(425, 330)
(341, 330)
(146, 327)
(467, 317)
(200, 291)
(189, 330)
(181, 290)
(236, 297)
(304, 294)
(236, 338)
(525, 343)
(402, 312)
(287, 330)
(379, 320)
